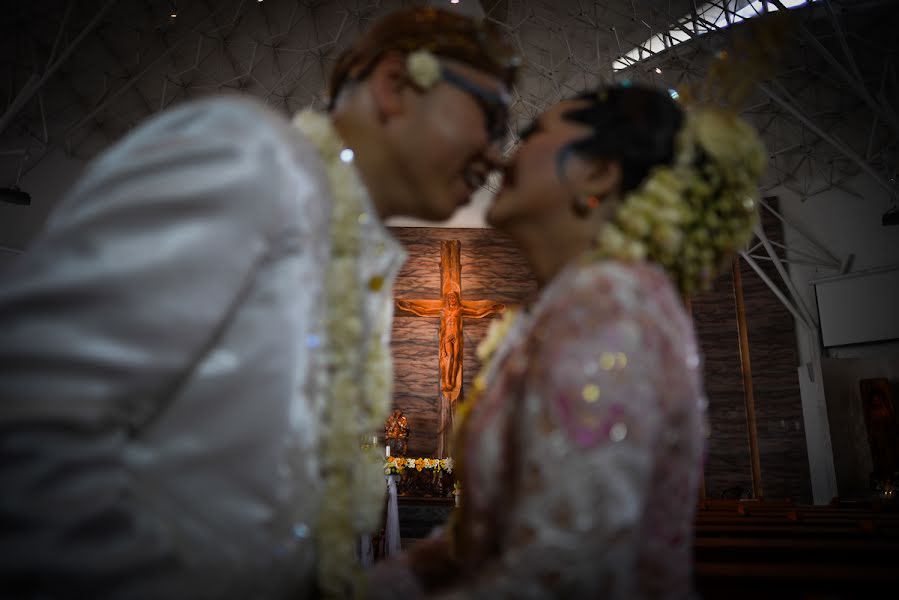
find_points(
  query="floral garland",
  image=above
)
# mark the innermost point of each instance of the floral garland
(496, 333)
(358, 399)
(395, 465)
(693, 214)
(486, 351)
(359, 389)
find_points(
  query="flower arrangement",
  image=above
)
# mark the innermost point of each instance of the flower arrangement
(395, 465)
(693, 214)
(359, 386)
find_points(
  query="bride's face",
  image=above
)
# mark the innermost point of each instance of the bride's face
(533, 189)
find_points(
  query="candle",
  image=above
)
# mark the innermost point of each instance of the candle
(387, 451)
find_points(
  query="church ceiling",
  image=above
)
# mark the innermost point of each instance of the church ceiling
(78, 74)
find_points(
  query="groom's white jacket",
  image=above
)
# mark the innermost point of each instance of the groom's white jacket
(160, 366)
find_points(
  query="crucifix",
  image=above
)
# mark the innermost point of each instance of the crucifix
(451, 309)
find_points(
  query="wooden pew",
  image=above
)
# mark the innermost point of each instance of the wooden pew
(779, 549)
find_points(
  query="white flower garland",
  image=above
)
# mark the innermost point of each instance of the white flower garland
(496, 333)
(690, 218)
(358, 399)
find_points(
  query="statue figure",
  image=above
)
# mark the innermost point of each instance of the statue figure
(451, 309)
(450, 341)
(396, 433)
(450, 331)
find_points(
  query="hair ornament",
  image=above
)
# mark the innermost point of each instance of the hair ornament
(690, 216)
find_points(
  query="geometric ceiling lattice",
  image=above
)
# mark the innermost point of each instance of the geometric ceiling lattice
(78, 74)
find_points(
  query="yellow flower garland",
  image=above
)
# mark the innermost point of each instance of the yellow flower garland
(395, 465)
(496, 333)
(358, 399)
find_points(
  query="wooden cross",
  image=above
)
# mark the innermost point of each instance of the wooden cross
(451, 309)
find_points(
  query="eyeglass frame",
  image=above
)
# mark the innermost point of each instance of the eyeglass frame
(494, 105)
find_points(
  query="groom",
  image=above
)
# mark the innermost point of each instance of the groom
(190, 344)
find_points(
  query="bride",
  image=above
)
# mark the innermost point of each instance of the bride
(581, 449)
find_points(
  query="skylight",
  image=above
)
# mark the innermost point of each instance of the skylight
(709, 17)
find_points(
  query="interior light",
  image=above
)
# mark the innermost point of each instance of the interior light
(658, 70)
(711, 17)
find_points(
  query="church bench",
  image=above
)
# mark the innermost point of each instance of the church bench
(882, 518)
(869, 526)
(806, 509)
(816, 531)
(799, 517)
(798, 568)
(840, 552)
(881, 524)
(722, 504)
(795, 579)
(831, 558)
(761, 506)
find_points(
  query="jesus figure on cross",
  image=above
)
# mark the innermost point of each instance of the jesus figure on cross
(450, 333)
(451, 310)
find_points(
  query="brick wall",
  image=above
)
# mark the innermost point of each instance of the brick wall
(493, 268)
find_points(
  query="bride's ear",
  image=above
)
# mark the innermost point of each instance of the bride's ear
(602, 182)
(604, 178)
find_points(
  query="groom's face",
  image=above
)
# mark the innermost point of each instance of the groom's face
(450, 139)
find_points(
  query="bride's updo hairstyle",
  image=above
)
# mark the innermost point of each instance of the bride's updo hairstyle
(689, 180)
(634, 125)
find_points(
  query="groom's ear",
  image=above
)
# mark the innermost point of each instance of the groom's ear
(387, 83)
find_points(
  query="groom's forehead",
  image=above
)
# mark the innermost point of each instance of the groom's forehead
(481, 77)
(447, 34)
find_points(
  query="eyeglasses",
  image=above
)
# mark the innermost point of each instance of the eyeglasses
(494, 104)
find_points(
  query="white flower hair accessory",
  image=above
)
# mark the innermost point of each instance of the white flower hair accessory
(689, 217)
(424, 68)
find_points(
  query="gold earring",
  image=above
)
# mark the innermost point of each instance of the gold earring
(583, 205)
